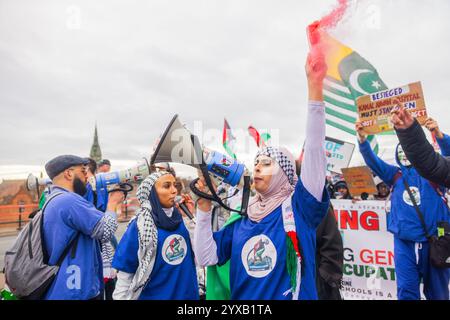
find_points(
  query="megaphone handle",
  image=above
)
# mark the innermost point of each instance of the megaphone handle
(209, 197)
(213, 196)
(123, 189)
(245, 195)
(199, 193)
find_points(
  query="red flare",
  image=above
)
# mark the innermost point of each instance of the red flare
(327, 22)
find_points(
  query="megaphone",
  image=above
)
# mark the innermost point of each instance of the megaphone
(33, 183)
(120, 180)
(179, 145)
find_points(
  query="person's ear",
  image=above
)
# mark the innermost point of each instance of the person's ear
(69, 175)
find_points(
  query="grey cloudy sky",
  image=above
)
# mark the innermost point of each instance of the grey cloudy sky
(131, 65)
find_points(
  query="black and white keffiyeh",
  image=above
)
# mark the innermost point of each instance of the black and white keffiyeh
(148, 236)
(284, 159)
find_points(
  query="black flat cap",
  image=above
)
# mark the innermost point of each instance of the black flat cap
(61, 163)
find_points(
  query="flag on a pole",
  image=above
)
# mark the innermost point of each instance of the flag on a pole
(228, 140)
(265, 138)
(261, 139)
(349, 76)
(255, 134)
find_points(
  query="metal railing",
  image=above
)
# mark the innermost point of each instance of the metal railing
(19, 214)
(16, 214)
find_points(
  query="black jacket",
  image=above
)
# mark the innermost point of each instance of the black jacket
(329, 256)
(430, 164)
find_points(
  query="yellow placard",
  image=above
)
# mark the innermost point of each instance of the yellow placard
(359, 180)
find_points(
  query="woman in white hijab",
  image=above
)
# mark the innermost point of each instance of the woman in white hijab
(272, 251)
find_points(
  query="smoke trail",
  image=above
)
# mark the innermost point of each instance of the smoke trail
(332, 19)
(327, 22)
(314, 30)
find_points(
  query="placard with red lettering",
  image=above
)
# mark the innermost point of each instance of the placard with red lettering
(369, 270)
(369, 267)
(375, 109)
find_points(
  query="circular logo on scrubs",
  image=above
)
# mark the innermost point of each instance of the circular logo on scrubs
(416, 194)
(174, 249)
(259, 256)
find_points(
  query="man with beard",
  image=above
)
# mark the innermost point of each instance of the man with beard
(70, 220)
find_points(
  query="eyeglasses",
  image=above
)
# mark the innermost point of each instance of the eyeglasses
(266, 162)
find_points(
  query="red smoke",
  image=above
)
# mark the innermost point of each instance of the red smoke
(327, 22)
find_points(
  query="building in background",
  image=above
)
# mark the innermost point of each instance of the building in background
(96, 152)
(16, 203)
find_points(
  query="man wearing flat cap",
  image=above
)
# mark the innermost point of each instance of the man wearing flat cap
(70, 220)
(104, 166)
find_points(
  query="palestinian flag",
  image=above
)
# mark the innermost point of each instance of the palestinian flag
(349, 76)
(265, 138)
(261, 139)
(228, 140)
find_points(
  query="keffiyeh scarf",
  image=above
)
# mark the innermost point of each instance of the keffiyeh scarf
(148, 236)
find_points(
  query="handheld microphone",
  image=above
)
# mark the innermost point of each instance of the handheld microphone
(178, 200)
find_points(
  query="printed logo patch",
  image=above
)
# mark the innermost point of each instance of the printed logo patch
(259, 256)
(416, 195)
(174, 249)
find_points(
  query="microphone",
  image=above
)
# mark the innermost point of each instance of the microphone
(178, 200)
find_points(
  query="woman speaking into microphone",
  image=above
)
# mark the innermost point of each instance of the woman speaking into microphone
(154, 257)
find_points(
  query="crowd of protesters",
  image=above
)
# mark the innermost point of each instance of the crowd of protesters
(165, 255)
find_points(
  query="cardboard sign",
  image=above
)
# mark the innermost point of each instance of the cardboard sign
(375, 109)
(359, 180)
(339, 153)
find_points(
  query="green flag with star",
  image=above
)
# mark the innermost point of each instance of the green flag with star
(349, 76)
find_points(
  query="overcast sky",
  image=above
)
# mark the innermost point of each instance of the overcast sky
(131, 65)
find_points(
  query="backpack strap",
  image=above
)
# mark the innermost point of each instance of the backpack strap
(94, 193)
(73, 243)
(419, 213)
(44, 250)
(433, 185)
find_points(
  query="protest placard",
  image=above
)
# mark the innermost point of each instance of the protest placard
(339, 153)
(359, 180)
(369, 269)
(375, 109)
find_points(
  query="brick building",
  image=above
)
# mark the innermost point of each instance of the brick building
(15, 201)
